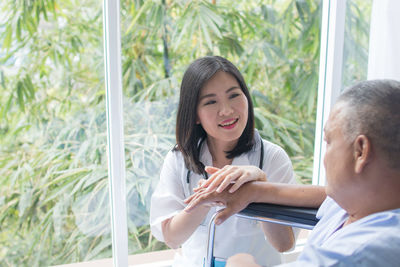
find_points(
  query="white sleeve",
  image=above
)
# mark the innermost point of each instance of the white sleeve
(167, 199)
(277, 164)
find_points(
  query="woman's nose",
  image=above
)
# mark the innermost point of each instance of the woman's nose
(225, 109)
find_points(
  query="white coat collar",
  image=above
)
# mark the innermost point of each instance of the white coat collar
(243, 159)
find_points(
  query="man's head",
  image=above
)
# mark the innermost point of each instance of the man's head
(373, 109)
(363, 125)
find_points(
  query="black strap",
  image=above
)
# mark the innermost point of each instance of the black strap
(198, 151)
(187, 176)
(261, 164)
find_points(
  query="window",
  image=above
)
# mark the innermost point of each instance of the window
(343, 61)
(54, 201)
(274, 44)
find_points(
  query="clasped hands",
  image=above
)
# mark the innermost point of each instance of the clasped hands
(226, 187)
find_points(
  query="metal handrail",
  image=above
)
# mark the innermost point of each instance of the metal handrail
(285, 215)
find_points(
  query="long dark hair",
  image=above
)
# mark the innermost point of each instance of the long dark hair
(188, 132)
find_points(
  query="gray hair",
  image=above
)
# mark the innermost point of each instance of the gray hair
(373, 109)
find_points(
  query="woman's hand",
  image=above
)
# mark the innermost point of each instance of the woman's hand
(236, 175)
(233, 203)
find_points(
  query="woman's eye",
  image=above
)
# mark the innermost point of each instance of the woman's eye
(234, 95)
(209, 102)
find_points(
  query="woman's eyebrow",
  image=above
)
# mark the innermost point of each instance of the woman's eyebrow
(211, 95)
(232, 88)
(205, 96)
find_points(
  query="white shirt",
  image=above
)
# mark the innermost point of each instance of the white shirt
(235, 234)
(371, 241)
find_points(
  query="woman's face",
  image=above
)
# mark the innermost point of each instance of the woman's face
(222, 108)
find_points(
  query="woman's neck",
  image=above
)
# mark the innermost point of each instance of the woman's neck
(217, 150)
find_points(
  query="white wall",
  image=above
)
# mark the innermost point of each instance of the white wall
(384, 44)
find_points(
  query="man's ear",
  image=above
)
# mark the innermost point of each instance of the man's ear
(362, 153)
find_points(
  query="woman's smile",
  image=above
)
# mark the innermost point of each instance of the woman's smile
(229, 124)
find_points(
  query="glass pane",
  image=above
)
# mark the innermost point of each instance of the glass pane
(356, 41)
(53, 162)
(275, 45)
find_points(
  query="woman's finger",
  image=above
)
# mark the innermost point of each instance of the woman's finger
(190, 198)
(198, 199)
(199, 183)
(229, 179)
(196, 194)
(238, 184)
(220, 178)
(187, 200)
(210, 170)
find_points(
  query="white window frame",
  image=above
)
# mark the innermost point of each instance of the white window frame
(115, 132)
(330, 75)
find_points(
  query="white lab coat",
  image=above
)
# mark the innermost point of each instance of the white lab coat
(235, 235)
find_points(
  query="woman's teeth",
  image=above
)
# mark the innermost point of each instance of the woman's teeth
(229, 123)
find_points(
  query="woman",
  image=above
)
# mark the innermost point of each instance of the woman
(215, 128)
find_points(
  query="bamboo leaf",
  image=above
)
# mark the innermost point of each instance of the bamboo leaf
(28, 85)
(8, 37)
(18, 29)
(205, 33)
(25, 201)
(211, 19)
(289, 142)
(20, 96)
(142, 9)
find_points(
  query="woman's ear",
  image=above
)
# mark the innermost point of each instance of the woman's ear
(362, 153)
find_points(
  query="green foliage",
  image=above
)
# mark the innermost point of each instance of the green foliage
(54, 205)
(275, 45)
(355, 50)
(43, 179)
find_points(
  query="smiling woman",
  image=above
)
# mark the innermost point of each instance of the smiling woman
(215, 127)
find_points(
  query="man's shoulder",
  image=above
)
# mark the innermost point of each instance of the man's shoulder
(372, 242)
(380, 245)
(385, 221)
(376, 232)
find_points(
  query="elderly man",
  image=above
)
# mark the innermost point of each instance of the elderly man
(360, 217)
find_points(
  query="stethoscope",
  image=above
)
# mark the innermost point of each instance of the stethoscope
(205, 175)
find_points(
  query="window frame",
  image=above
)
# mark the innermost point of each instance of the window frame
(330, 76)
(115, 132)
